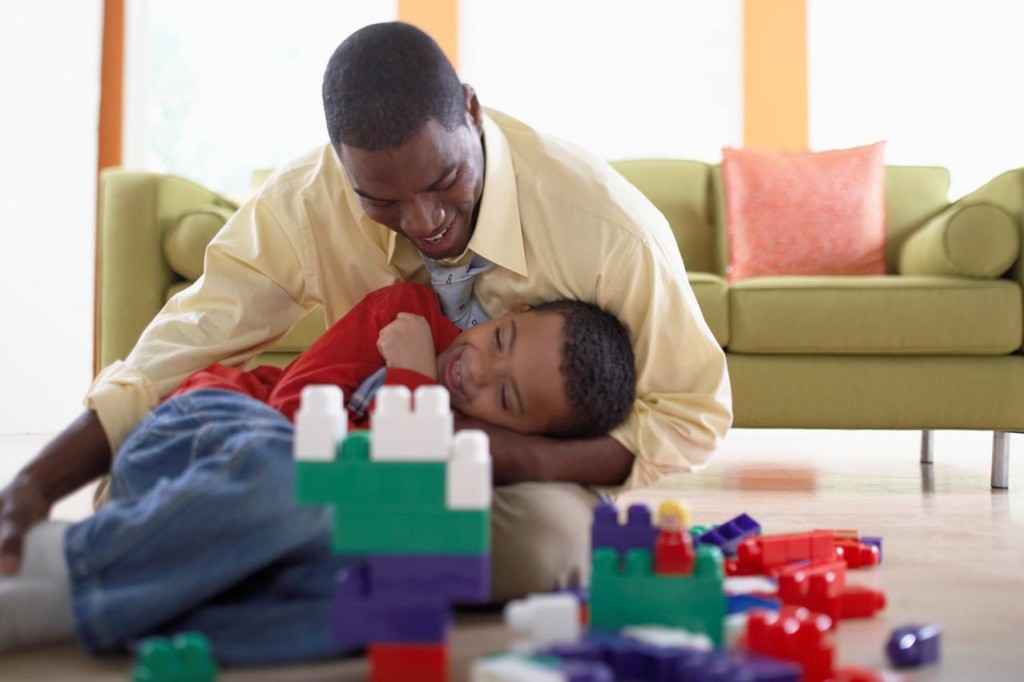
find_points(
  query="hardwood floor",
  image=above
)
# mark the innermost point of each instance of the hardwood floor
(953, 548)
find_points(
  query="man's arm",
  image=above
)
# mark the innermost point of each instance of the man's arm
(79, 454)
(519, 458)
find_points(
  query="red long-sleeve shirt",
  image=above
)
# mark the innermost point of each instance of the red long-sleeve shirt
(345, 355)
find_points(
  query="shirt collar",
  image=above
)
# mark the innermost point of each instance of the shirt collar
(498, 236)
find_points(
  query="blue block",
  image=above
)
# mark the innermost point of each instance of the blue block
(728, 536)
(585, 671)
(464, 579)
(910, 646)
(638, 531)
(738, 603)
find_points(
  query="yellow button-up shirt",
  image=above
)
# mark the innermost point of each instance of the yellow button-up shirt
(557, 221)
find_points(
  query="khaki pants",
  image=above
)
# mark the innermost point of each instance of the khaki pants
(540, 538)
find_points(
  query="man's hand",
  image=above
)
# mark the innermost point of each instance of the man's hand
(22, 505)
(408, 343)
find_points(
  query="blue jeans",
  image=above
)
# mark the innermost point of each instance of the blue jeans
(202, 533)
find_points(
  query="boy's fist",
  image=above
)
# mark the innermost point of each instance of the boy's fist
(408, 343)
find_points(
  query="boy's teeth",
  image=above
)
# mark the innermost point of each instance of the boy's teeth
(434, 240)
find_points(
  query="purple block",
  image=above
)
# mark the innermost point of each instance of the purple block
(913, 645)
(874, 542)
(586, 671)
(730, 534)
(359, 622)
(638, 531)
(449, 578)
(766, 669)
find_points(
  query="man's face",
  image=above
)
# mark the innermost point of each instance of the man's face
(507, 372)
(427, 189)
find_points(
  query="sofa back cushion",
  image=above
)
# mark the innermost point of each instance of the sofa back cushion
(913, 194)
(679, 189)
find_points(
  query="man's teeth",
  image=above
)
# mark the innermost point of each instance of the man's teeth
(435, 240)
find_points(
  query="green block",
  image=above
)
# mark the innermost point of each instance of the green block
(459, 532)
(354, 483)
(637, 596)
(186, 658)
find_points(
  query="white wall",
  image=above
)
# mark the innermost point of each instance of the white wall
(50, 74)
(938, 79)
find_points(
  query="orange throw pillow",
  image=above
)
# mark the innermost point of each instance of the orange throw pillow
(805, 213)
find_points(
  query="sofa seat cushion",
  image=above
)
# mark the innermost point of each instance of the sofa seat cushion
(713, 298)
(875, 315)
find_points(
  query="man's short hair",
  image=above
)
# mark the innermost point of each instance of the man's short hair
(598, 367)
(383, 84)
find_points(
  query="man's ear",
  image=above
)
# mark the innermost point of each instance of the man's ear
(474, 112)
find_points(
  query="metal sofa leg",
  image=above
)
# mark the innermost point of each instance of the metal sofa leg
(926, 447)
(1000, 460)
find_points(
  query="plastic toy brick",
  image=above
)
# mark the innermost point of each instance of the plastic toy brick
(757, 585)
(910, 646)
(673, 553)
(468, 479)
(466, 532)
(506, 668)
(635, 595)
(730, 534)
(796, 635)
(185, 658)
(320, 423)
(856, 554)
(638, 531)
(766, 554)
(659, 635)
(393, 662)
(461, 579)
(359, 617)
(874, 541)
(860, 602)
(816, 586)
(411, 430)
(738, 603)
(543, 620)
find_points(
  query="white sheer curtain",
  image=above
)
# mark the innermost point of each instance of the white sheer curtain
(50, 70)
(660, 78)
(939, 79)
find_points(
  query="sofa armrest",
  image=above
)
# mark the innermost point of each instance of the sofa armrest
(977, 236)
(136, 210)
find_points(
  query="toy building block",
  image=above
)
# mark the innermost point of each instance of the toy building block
(856, 554)
(635, 595)
(320, 424)
(409, 428)
(756, 585)
(460, 579)
(860, 602)
(659, 635)
(815, 586)
(794, 634)
(185, 658)
(738, 603)
(910, 646)
(766, 554)
(637, 533)
(730, 534)
(464, 533)
(468, 478)
(543, 620)
(874, 541)
(507, 668)
(393, 662)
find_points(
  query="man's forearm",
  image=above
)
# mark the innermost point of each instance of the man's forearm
(517, 458)
(76, 456)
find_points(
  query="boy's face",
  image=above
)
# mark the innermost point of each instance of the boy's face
(507, 371)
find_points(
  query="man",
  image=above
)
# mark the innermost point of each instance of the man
(421, 184)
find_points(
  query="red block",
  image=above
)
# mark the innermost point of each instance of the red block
(860, 602)
(816, 587)
(403, 662)
(856, 554)
(768, 553)
(673, 553)
(794, 634)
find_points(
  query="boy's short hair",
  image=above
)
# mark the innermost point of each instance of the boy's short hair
(598, 367)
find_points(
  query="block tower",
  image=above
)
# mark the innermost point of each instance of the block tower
(411, 505)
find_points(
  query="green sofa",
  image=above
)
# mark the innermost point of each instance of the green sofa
(934, 344)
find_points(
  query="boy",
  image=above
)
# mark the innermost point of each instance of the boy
(202, 533)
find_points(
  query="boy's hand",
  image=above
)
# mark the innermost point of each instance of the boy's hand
(408, 343)
(22, 505)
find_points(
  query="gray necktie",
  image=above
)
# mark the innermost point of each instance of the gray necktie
(454, 288)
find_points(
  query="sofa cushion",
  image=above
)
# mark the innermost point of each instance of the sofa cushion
(713, 298)
(805, 213)
(185, 243)
(881, 315)
(971, 240)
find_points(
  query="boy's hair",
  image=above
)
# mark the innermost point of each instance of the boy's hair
(382, 85)
(598, 368)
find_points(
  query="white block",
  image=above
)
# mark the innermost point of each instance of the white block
(663, 636)
(511, 669)
(468, 476)
(750, 584)
(422, 433)
(735, 626)
(320, 423)
(543, 620)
